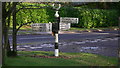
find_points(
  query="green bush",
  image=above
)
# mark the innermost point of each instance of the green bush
(91, 18)
(88, 18)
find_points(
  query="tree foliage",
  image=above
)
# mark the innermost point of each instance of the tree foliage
(90, 16)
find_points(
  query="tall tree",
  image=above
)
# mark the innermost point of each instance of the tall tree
(7, 9)
(14, 31)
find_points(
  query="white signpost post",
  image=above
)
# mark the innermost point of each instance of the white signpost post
(69, 20)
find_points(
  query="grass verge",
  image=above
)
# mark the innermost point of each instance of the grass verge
(74, 59)
(96, 29)
(28, 29)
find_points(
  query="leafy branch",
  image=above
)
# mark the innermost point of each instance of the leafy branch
(23, 25)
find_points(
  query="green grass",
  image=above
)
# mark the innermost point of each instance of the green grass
(87, 29)
(28, 28)
(22, 28)
(76, 59)
(10, 32)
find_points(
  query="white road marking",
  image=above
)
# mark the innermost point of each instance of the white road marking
(98, 39)
(35, 47)
(47, 45)
(87, 41)
(21, 48)
(94, 41)
(71, 43)
(104, 40)
(80, 42)
(89, 47)
(26, 46)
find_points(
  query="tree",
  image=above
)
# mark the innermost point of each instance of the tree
(7, 9)
(11, 9)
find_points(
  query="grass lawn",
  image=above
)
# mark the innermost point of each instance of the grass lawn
(73, 59)
(28, 29)
(88, 29)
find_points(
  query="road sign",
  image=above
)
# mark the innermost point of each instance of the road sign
(42, 27)
(68, 20)
(65, 26)
(48, 27)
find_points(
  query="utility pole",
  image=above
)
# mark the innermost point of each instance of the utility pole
(55, 28)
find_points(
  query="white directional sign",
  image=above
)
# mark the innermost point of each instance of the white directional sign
(42, 27)
(68, 20)
(47, 27)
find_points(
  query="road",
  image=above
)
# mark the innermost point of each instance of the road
(102, 43)
(63, 37)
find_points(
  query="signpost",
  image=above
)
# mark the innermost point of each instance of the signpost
(56, 26)
(68, 20)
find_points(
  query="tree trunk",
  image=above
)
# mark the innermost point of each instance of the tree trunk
(5, 37)
(6, 24)
(3, 28)
(5, 14)
(14, 53)
(8, 43)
